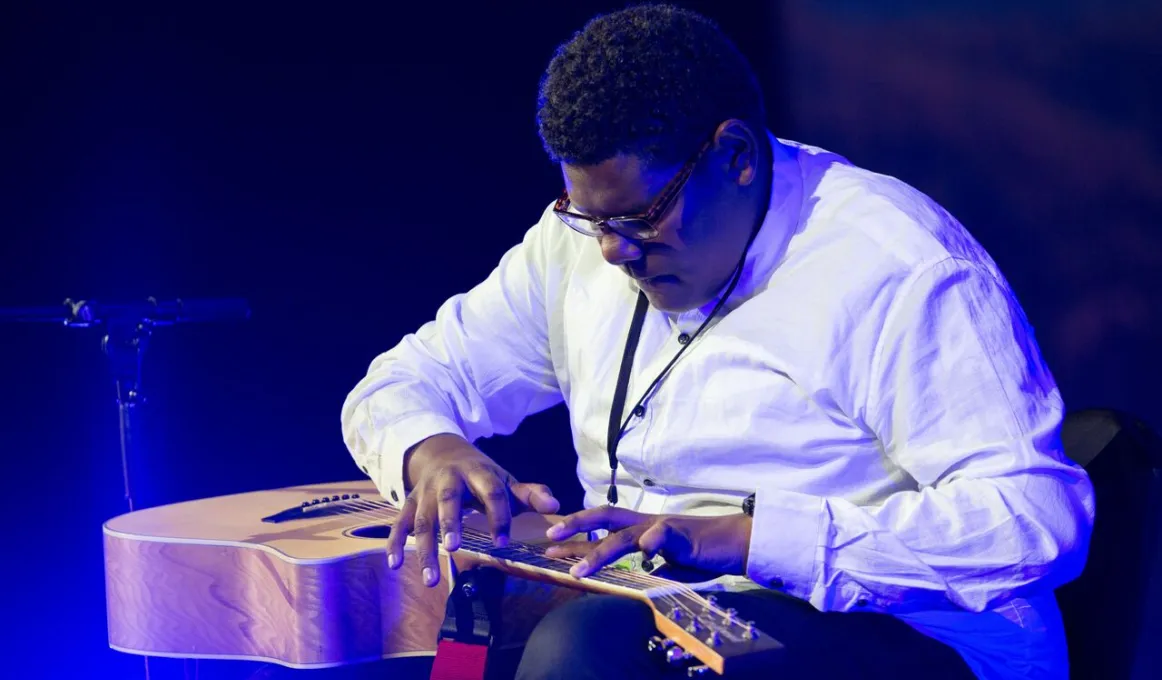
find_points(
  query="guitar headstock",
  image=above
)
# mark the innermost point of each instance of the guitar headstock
(696, 628)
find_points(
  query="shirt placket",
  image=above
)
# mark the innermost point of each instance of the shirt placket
(648, 423)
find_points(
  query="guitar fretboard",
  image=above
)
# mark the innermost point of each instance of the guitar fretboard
(534, 556)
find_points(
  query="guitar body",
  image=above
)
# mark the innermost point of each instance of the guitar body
(298, 576)
(209, 579)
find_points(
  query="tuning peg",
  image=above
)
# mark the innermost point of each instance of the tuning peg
(675, 614)
(711, 601)
(355, 495)
(730, 613)
(695, 626)
(346, 496)
(658, 643)
(714, 639)
(697, 671)
(750, 632)
(676, 655)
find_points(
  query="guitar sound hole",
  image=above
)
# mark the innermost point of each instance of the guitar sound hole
(378, 531)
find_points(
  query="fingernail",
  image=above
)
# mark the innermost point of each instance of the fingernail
(392, 561)
(579, 569)
(501, 541)
(451, 540)
(555, 529)
(429, 576)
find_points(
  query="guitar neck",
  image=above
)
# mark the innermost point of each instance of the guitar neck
(528, 560)
(695, 626)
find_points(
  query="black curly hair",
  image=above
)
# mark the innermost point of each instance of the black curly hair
(650, 80)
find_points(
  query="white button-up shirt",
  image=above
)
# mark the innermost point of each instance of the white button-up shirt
(873, 381)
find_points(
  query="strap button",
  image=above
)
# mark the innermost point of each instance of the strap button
(639, 411)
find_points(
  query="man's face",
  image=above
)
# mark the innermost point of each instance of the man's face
(700, 237)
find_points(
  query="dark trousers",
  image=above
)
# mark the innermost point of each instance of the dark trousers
(603, 637)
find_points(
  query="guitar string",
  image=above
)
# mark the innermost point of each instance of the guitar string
(672, 591)
(484, 545)
(678, 596)
(476, 541)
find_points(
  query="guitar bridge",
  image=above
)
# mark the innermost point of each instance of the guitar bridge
(324, 506)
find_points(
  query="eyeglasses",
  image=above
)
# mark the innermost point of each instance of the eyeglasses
(640, 227)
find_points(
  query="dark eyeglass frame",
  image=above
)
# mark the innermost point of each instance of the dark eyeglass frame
(639, 227)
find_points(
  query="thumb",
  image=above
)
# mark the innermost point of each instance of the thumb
(536, 496)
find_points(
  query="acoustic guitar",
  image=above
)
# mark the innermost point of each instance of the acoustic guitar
(298, 576)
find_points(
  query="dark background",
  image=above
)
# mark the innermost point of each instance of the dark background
(348, 166)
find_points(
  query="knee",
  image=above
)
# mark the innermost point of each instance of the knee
(587, 637)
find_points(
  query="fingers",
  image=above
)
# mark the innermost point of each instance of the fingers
(536, 496)
(492, 492)
(655, 539)
(604, 517)
(399, 533)
(570, 549)
(448, 497)
(609, 550)
(427, 552)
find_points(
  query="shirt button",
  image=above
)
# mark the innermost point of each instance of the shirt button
(639, 411)
(648, 482)
(683, 339)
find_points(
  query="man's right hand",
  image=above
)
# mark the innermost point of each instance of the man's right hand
(445, 472)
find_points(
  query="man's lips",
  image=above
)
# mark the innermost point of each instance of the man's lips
(657, 279)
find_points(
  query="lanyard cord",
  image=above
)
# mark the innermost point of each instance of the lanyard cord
(635, 330)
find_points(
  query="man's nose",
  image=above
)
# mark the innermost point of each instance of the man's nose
(618, 250)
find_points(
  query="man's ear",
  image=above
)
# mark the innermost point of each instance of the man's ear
(739, 147)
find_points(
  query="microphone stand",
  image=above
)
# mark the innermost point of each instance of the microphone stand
(127, 331)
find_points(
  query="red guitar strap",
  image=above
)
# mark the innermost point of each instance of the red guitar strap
(471, 624)
(459, 661)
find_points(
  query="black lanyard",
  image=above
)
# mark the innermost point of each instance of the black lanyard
(635, 333)
(615, 432)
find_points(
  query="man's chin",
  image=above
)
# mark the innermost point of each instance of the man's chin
(674, 300)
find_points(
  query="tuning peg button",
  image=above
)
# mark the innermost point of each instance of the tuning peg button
(676, 655)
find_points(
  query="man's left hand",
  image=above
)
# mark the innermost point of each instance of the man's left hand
(719, 544)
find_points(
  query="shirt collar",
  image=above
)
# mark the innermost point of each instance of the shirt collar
(770, 244)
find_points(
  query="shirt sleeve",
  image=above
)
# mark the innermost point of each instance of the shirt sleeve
(961, 401)
(477, 369)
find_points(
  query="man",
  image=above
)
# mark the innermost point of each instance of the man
(809, 332)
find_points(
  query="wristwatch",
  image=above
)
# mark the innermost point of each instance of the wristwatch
(748, 506)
